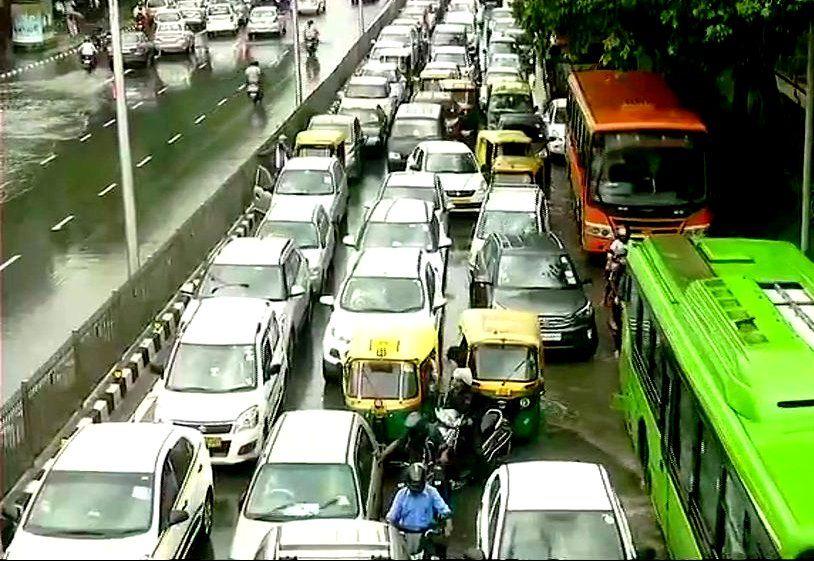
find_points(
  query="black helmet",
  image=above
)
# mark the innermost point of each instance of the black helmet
(310, 22)
(416, 477)
(415, 423)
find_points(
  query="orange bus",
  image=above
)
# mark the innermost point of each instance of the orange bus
(635, 157)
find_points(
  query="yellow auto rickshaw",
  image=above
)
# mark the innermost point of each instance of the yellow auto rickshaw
(523, 171)
(321, 143)
(509, 96)
(503, 351)
(389, 373)
(492, 144)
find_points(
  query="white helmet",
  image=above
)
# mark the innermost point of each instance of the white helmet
(463, 375)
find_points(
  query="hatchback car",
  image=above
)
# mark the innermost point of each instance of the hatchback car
(371, 91)
(136, 49)
(535, 274)
(397, 284)
(414, 122)
(221, 18)
(120, 491)
(193, 13)
(448, 34)
(456, 167)
(417, 185)
(316, 464)
(313, 180)
(512, 210)
(555, 118)
(173, 37)
(374, 122)
(226, 375)
(455, 54)
(311, 230)
(311, 7)
(552, 510)
(391, 71)
(265, 20)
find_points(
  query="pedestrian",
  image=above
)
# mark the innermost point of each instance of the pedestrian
(615, 325)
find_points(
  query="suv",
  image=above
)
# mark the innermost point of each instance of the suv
(535, 273)
(414, 122)
(311, 230)
(417, 185)
(119, 490)
(271, 268)
(512, 211)
(225, 376)
(316, 464)
(398, 284)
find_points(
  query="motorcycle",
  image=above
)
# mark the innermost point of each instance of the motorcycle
(494, 433)
(88, 62)
(311, 44)
(254, 92)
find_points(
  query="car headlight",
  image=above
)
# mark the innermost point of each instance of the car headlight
(585, 311)
(249, 419)
(599, 230)
(394, 155)
(339, 336)
(524, 402)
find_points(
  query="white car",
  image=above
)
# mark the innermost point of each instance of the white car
(120, 491)
(317, 464)
(389, 70)
(313, 180)
(457, 55)
(511, 211)
(173, 37)
(221, 18)
(168, 15)
(193, 13)
(265, 20)
(555, 117)
(312, 231)
(404, 222)
(394, 284)
(552, 510)
(417, 185)
(371, 91)
(226, 376)
(510, 60)
(311, 7)
(456, 167)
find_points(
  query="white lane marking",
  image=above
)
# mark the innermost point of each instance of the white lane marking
(48, 160)
(199, 119)
(162, 90)
(109, 80)
(144, 161)
(128, 71)
(9, 262)
(58, 226)
(241, 87)
(137, 105)
(174, 139)
(222, 101)
(106, 190)
(203, 64)
(110, 122)
(84, 138)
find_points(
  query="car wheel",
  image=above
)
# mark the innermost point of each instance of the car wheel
(208, 514)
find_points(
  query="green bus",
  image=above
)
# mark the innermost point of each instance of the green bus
(717, 389)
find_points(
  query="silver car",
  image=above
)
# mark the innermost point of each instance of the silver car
(265, 20)
(173, 37)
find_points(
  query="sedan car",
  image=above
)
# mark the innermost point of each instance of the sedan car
(136, 49)
(221, 18)
(390, 71)
(193, 13)
(555, 118)
(265, 20)
(313, 180)
(456, 167)
(536, 274)
(311, 7)
(120, 491)
(552, 510)
(372, 91)
(311, 230)
(173, 37)
(374, 122)
(417, 185)
(318, 464)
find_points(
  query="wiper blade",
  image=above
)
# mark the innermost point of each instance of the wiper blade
(214, 289)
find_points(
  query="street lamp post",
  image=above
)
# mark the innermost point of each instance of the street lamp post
(361, 18)
(125, 160)
(298, 74)
(809, 142)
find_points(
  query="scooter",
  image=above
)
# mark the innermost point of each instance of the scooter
(88, 62)
(254, 92)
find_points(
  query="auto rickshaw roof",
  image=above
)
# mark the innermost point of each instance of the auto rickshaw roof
(514, 164)
(321, 137)
(502, 136)
(403, 342)
(511, 87)
(488, 325)
(451, 84)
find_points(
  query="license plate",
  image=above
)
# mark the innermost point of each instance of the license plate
(212, 441)
(551, 336)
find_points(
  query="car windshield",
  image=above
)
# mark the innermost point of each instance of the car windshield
(345, 129)
(366, 91)
(263, 14)
(391, 234)
(384, 379)
(191, 6)
(412, 193)
(212, 368)
(304, 182)
(284, 492)
(167, 16)
(446, 38)
(455, 162)
(500, 48)
(463, 97)
(304, 234)
(517, 103)
(457, 58)
(512, 178)
(504, 59)
(649, 170)
(169, 28)
(560, 535)
(218, 10)
(512, 363)
(540, 271)
(365, 116)
(382, 294)
(507, 222)
(560, 115)
(415, 128)
(244, 280)
(396, 37)
(90, 504)
(492, 75)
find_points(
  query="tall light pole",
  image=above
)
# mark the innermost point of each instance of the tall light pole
(361, 18)
(809, 142)
(295, 18)
(125, 161)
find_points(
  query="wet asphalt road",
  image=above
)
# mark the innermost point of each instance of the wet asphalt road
(58, 160)
(581, 423)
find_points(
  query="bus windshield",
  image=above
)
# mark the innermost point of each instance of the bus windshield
(648, 170)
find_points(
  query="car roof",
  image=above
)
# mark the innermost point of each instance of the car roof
(315, 163)
(114, 447)
(286, 210)
(440, 65)
(391, 262)
(445, 147)
(546, 242)
(454, 27)
(449, 49)
(548, 485)
(226, 320)
(262, 252)
(395, 27)
(419, 110)
(410, 179)
(331, 119)
(264, 9)
(380, 65)
(312, 436)
(512, 199)
(368, 80)
(388, 44)
(401, 211)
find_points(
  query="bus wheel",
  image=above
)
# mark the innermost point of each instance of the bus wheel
(644, 455)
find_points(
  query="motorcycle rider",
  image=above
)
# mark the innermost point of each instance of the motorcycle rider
(416, 508)
(615, 263)
(254, 74)
(88, 49)
(415, 441)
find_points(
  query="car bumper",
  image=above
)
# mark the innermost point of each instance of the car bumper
(218, 27)
(309, 10)
(235, 448)
(466, 203)
(271, 29)
(130, 58)
(577, 337)
(172, 46)
(194, 22)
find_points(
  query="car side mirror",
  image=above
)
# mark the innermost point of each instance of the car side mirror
(445, 242)
(415, 167)
(297, 290)
(327, 300)
(177, 516)
(536, 108)
(349, 240)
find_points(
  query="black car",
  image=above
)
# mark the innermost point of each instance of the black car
(530, 123)
(414, 123)
(535, 274)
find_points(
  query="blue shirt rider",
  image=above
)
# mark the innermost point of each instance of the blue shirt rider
(417, 506)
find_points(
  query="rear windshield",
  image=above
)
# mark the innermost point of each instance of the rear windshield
(416, 128)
